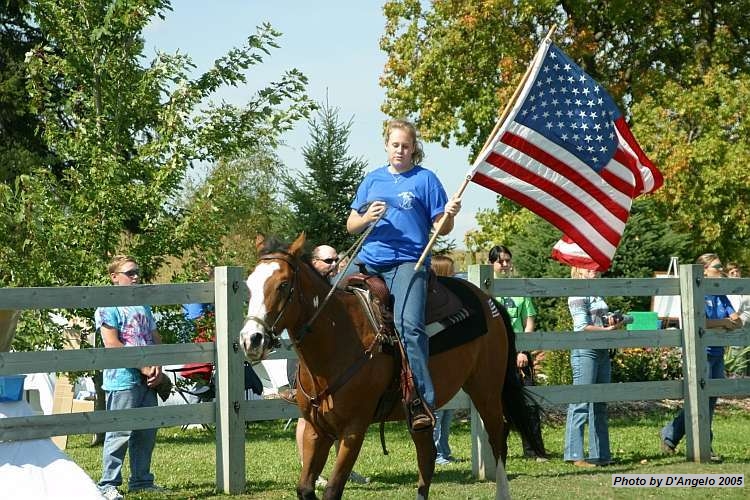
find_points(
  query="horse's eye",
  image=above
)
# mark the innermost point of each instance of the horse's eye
(283, 285)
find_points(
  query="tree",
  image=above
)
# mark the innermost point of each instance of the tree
(700, 138)
(320, 195)
(127, 134)
(21, 145)
(498, 225)
(238, 199)
(452, 66)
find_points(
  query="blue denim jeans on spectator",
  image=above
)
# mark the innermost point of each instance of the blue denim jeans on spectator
(139, 443)
(674, 431)
(440, 434)
(409, 287)
(590, 366)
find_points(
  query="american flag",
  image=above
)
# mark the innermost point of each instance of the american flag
(566, 153)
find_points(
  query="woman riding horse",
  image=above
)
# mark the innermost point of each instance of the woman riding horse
(345, 368)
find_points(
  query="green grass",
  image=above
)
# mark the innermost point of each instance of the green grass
(184, 462)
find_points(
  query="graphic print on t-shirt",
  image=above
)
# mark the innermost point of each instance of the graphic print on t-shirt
(407, 197)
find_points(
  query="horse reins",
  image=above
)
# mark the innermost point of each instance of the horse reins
(353, 249)
(342, 379)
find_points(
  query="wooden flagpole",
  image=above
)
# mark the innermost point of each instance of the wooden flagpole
(498, 124)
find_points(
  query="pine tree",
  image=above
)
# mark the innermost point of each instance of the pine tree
(320, 194)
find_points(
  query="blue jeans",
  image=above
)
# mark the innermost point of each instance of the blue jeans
(440, 433)
(139, 443)
(409, 289)
(590, 366)
(674, 431)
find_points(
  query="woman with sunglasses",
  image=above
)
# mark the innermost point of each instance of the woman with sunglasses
(719, 314)
(122, 326)
(405, 201)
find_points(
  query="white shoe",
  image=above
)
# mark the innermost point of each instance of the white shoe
(111, 493)
(358, 478)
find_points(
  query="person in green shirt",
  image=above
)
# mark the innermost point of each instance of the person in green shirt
(522, 314)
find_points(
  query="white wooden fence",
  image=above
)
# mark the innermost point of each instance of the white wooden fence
(230, 411)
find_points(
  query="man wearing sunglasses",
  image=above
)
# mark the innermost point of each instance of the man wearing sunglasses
(125, 388)
(325, 260)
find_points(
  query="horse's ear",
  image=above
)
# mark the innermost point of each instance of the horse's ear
(260, 240)
(296, 247)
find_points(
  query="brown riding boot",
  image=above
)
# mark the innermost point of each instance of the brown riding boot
(420, 417)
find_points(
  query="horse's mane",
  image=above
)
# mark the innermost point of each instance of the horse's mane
(273, 244)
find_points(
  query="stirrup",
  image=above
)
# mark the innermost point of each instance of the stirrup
(420, 417)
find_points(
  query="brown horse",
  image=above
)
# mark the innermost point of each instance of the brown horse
(343, 373)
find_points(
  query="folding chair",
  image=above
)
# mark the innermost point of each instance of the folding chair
(200, 375)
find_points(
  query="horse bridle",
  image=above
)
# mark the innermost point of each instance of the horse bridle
(271, 330)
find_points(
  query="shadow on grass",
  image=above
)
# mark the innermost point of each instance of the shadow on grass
(187, 490)
(187, 437)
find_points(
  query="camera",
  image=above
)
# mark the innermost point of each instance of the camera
(612, 318)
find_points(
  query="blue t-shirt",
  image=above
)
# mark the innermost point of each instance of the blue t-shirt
(717, 307)
(413, 200)
(135, 326)
(195, 311)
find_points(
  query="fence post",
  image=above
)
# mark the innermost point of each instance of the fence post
(697, 423)
(230, 381)
(483, 464)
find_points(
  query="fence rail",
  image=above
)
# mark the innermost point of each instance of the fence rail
(230, 410)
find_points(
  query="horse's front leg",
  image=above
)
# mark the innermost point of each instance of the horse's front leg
(347, 453)
(425, 461)
(315, 448)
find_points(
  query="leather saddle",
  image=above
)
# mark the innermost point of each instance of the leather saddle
(443, 308)
(442, 304)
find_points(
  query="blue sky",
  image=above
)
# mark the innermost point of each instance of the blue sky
(335, 44)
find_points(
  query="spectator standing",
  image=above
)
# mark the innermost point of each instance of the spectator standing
(325, 260)
(522, 314)
(741, 304)
(590, 366)
(719, 314)
(443, 265)
(125, 388)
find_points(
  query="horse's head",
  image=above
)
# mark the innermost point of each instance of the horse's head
(272, 308)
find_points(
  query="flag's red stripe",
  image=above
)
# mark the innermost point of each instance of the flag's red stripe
(553, 163)
(627, 134)
(617, 182)
(577, 261)
(554, 218)
(573, 203)
(624, 158)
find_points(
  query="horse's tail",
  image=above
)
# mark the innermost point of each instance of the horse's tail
(519, 407)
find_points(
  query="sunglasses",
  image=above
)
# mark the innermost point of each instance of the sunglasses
(329, 261)
(718, 267)
(131, 273)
